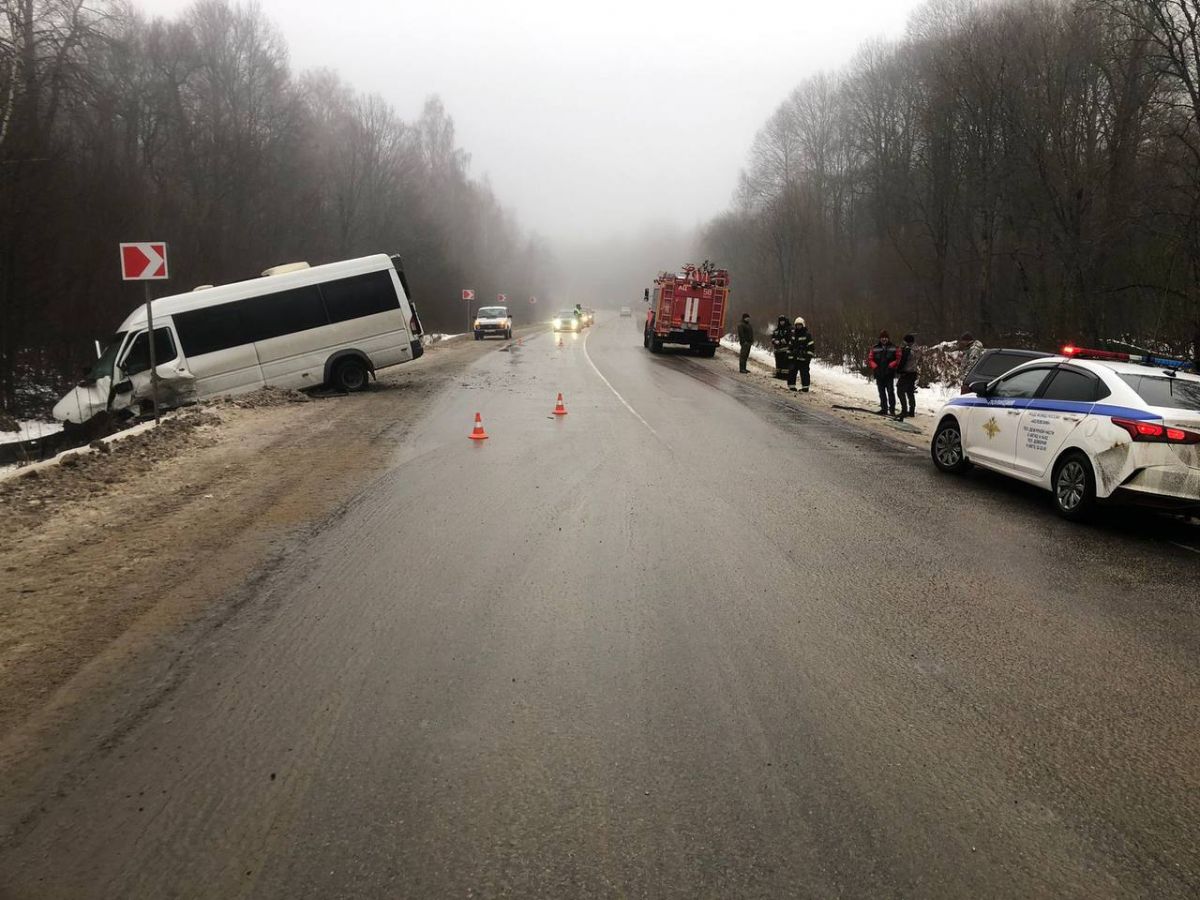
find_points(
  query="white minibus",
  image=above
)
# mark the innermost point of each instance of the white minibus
(295, 327)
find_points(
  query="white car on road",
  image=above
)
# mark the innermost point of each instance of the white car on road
(1086, 425)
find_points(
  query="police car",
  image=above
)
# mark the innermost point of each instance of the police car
(1087, 425)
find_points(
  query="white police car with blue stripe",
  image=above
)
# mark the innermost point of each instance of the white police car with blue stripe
(1087, 425)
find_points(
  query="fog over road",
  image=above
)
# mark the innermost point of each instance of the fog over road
(685, 641)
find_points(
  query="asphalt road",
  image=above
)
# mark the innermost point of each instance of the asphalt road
(683, 642)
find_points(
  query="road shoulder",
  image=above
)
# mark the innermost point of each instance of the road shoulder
(107, 558)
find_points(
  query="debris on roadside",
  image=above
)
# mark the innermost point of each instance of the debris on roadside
(83, 474)
(262, 398)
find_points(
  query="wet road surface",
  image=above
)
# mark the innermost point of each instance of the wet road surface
(685, 641)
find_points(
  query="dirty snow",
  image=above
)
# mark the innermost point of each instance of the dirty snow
(28, 430)
(437, 338)
(262, 398)
(849, 384)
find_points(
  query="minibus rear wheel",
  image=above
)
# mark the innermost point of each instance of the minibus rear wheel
(350, 375)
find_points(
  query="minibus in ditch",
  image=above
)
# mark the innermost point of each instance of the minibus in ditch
(298, 326)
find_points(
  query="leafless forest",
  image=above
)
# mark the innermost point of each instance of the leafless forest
(196, 131)
(1025, 169)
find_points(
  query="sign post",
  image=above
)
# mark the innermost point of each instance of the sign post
(468, 295)
(146, 262)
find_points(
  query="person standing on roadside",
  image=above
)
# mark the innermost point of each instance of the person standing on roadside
(781, 343)
(745, 336)
(906, 376)
(802, 354)
(883, 360)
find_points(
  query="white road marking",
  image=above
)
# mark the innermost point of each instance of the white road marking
(616, 393)
(1183, 546)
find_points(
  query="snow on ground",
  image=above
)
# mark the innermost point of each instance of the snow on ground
(849, 384)
(29, 430)
(437, 338)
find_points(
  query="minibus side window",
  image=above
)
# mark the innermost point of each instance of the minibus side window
(360, 295)
(138, 358)
(210, 329)
(284, 312)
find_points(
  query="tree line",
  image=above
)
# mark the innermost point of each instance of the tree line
(1028, 170)
(194, 130)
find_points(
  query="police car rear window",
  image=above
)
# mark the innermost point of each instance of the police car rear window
(999, 363)
(1170, 393)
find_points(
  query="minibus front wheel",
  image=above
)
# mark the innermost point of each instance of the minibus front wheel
(350, 375)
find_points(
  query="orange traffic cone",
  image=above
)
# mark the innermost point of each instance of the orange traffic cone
(560, 343)
(559, 409)
(478, 434)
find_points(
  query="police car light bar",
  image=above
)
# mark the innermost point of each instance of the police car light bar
(1167, 362)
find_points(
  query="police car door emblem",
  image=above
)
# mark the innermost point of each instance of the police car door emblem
(991, 427)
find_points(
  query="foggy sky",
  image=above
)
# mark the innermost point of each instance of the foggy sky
(588, 118)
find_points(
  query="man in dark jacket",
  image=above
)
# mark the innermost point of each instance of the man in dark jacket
(781, 343)
(906, 376)
(745, 335)
(883, 360)
(802, 354)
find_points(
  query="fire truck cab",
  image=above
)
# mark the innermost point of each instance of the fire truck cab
(688, 308)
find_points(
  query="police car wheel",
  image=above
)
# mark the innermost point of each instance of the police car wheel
(1074, 486)
(947, 448)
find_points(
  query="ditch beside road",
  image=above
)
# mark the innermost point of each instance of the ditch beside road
(104, 554)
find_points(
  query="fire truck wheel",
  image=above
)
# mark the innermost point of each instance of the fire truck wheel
(708, 351)
(655, 345)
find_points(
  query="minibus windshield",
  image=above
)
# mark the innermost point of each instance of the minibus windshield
(103, 367)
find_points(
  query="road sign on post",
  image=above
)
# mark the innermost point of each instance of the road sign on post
(501, 298)
(146, 261)
(468, 294)
(533, 299)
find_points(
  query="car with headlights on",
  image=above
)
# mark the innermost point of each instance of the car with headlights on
(1087, 425)
(566, 320)
(493, 321)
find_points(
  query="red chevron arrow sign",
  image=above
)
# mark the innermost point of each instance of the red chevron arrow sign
(145, 261)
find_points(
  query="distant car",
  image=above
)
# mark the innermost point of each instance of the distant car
(566, 320)
(994, 363)
(493, 321)
(626, 312)
(1088, 425)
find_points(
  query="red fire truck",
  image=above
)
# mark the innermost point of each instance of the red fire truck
(688, 308)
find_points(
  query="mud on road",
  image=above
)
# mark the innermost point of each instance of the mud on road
(103, 556)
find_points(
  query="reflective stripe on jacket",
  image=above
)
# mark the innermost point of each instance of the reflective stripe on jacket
(883, 360)
(802, 344)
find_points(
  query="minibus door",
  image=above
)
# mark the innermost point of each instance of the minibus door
(176, 385)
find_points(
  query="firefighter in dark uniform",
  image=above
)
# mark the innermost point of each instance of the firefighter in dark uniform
(781, 343)
(883, 361)
(802, 345)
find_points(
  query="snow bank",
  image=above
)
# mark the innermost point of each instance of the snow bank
(29, 430)
(437, 338)
(847, 382)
